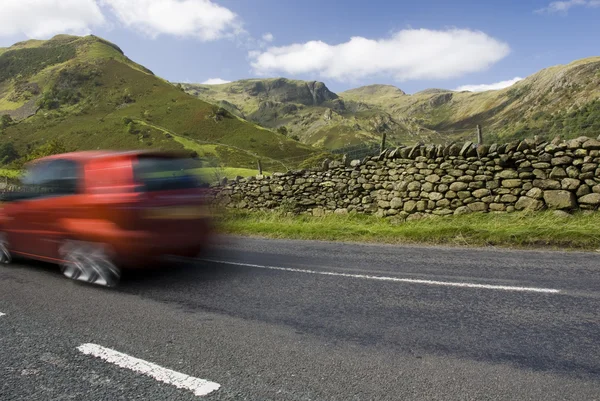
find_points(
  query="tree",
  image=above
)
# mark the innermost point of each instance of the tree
(5, 121)
(282, 130)
(8, 153)
(51, 147)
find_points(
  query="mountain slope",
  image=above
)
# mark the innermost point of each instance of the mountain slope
(84, 92)
(307, 109)
(561, 100)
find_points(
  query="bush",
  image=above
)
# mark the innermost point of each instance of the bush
(282, 130)
(5, 121)
(52, 147)
(8, 153)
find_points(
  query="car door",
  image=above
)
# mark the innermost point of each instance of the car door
(55, 185)
(21, 232)
(62, 200)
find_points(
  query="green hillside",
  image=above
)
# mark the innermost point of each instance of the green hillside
(85, 93)
(306, 110)
(561, 100)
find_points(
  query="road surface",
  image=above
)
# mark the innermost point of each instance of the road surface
(298, 320)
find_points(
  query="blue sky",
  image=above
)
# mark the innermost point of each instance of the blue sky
(411, 44)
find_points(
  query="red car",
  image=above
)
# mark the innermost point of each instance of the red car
(95, 213)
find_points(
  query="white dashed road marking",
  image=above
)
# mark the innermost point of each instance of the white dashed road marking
(395, 279)
(2, 314)
(199, 387)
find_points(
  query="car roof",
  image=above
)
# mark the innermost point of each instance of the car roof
(102, 154)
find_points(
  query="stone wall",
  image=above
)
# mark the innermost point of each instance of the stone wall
(410, 182)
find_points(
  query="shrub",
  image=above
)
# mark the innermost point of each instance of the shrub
(5, 121)
(8, 153)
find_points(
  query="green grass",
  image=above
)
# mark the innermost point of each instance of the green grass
(5, 172)
(112, 88)
(543, 229)
(209, 174)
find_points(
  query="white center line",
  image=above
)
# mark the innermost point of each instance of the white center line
(199, 387)
(2, 314)
(395, 279)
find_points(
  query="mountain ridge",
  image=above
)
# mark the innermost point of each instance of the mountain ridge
(536, 105)
(84, 92)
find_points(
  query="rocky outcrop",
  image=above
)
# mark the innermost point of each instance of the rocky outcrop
(411, 182)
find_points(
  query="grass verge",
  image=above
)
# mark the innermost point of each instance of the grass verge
(522, 230)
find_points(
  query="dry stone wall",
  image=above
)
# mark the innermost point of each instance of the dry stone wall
(411, 182)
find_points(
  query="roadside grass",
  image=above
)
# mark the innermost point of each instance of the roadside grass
(521, 230)
(10, 173)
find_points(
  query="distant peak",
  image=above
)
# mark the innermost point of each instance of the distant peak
(432, 91)
(377, 89)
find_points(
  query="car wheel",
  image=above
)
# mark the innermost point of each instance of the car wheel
(5, 256)
(89, 262)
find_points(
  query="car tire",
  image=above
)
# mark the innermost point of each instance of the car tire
(90, 262)
(5, 256)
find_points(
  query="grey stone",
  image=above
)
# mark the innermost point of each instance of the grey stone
(497, 207)
(462, 210)
(560, 199)
(561, 161)
(508, 198)
(410, 206)
(435, 196)
(507, 174)
(535, 193)
(591, 144)
(433, 178)
(478, 207)
(396, 203)
(583, 190)
(480, 193)
(590, 199)
(458, 186)
(512, 183)
(558, 172)
(546, 184)
(527, 203)
(570, 184)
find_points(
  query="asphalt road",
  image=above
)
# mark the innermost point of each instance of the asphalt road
(299, 320)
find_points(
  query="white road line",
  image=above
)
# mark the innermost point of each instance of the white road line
(199, 387)
(2, 314)
(395, 279)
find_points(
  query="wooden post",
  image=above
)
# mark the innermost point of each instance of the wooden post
(259, 167)
(345, 159)
(382, 146)
(479, 135)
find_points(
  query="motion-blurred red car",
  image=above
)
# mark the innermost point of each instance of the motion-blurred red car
(97, 212)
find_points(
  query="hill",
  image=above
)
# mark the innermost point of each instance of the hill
(307, 110)
(85, 93)
(560, 100)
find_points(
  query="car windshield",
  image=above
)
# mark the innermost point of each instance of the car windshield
(161, 173)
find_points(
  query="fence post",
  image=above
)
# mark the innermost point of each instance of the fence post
(259, 167)
(382, 146)
(479, 135)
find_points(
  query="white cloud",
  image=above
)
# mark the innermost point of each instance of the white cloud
(200, 19)
(215, 81)
(407, 54)
(488, 87)
(268, 37)
(44, 18)
(564, 6)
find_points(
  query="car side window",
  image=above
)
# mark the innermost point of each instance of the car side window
(55, 177)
